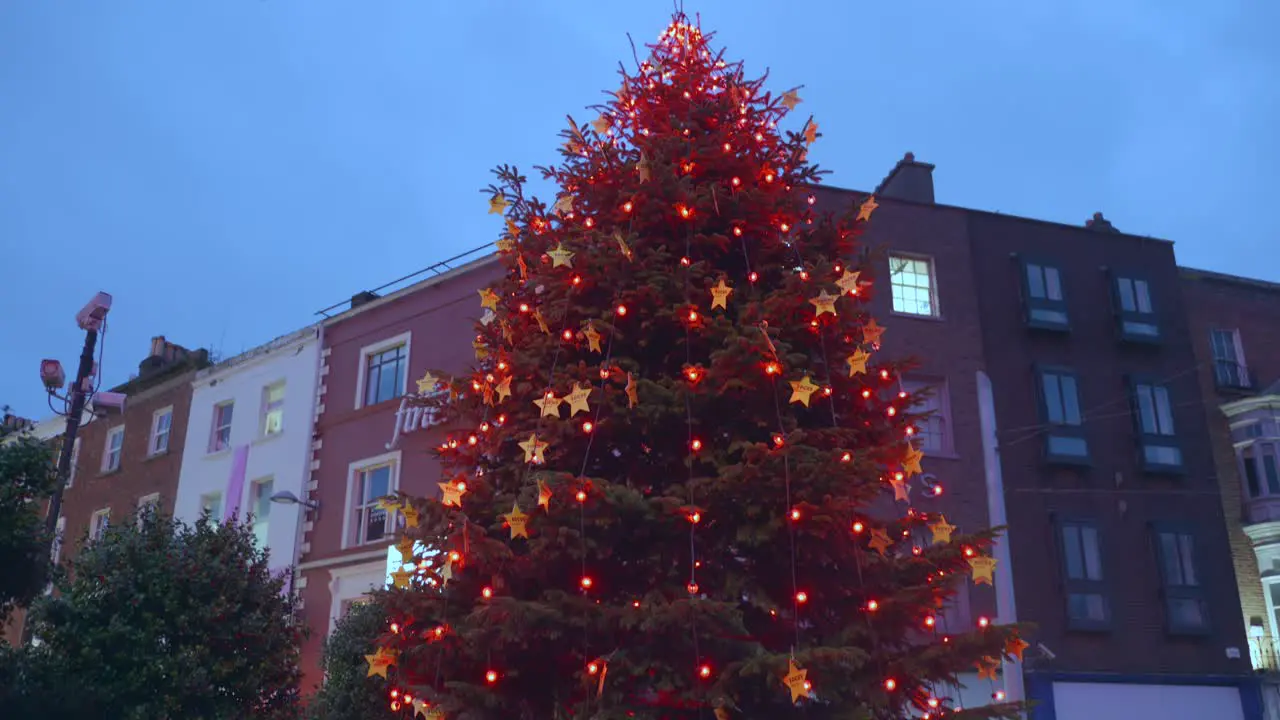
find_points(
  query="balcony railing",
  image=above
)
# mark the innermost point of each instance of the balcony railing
(1230, 374)
(1264, 654)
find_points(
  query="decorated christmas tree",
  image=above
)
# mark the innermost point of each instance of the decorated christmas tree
(675, 484)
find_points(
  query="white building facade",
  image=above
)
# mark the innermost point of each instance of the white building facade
(249, 438)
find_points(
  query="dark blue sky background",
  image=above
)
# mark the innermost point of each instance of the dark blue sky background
(226, 168)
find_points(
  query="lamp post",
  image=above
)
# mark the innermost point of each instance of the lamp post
(92, 319)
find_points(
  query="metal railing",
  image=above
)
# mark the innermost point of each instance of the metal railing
(1264, 654)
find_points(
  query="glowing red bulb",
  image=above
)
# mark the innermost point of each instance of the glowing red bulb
(581, 496)
(685, 211)
(395, 627)
(772, 368)
(704, 671)
(695, 517)
(826, 391)
(930, 621)
(872, 605)
(892, 411)
(635, 603)
(866, 393)
(778, 440)
(524, 307)
(812, 200)
(753, 276)
(768, 177)
(693, 316)
(626, 206)
(590, 222)
(846, 457)
(491, 677)
(728, 147)
(487, 592)
(736, 181)
(804, 274)
(983, 622)
(933, 702)
(784, 227)
(622, 310)
(684, 261)
(884, 374)
(455, 556)
(568, 334)
(795, 513)
(858, 526)
(937, 490)
(577, 280)
(586, 582)
(802, 597)
(692, 374)
(472, 440)
(998, 695)
(588, 426)
(968, 552)
(593, 668)
(696, 445)
(737, 231)
(890, 684)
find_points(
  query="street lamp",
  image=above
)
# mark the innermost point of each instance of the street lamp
(285, 497)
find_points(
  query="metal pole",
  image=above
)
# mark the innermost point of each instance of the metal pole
(78, 397)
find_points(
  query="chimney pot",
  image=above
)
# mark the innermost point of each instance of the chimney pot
(908, 180)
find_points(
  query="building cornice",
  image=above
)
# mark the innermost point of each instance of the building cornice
(258, 355)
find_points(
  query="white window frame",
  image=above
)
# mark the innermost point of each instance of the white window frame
(935, 310)
(75, 459)
(1241, 369)
(154, 436)
(939, 393)
(205, 502)
(362, 366)
(107, 464)
(151, 500)
(214, 426)
(348, 508)
(265, 423)
(353, 582)
(59, 532)
(99, 521)
(252, 488)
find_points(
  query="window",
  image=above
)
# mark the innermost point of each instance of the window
(1065, 441)
(273, 409)
(384, 377)
(58, 532)
(261, 498)
(1137, 316)
(1087, 605)
(211, 503)
(1046, 307)
(346, 605)
(221, 439)
(1154, 413)
(161, 424)
(912, 283)
(75, 459)
(148, 504)
(933, 430)
(98, 523)
(373, 480)
(115, 445)
(1262, 475)
(1228, 359)
(1184, 602)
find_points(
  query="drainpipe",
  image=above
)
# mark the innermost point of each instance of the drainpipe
(1006, 608)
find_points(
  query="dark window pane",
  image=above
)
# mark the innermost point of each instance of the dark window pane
(1087, 606)
(1035, 281)
(1068, 446)
(1186, 612)
(1074, 557)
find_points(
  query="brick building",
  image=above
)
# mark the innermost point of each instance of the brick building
(1234, 325)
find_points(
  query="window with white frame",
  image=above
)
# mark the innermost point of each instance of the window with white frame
(75, 460)
(221, 435)
(1261, 470)
(1137, 314)
(933, 426)
(369, 481)
(98, 523)
(913, 286)
(114, 447)
(161, 426)
(211, 503)
(1228, 359)
(260, 499)
(384, 371)
(58, 533)
(273, 409)
(1154, 409)
(148, 504)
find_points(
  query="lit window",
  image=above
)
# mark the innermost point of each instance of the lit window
(369, 522)
(273, 409)
(261, 497)
(221, 439)
(115, 446)
(1046, 307)
(98, 523)
(384, 375)
(1065, 439)
(1154, 412)
(161, 425)
(1137, 315)
(933, 429)
(1087, 605)
(1228, 359)
(912, 283)
(211, 505)
(1184, 601)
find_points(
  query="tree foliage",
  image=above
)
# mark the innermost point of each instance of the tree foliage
(349, 693)
(159, 619)
(729, 509)
(27, 477)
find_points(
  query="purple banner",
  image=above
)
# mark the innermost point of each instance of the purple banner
(235, 484)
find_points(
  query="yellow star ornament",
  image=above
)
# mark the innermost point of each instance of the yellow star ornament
(871, 332)
(503, 389)
(900, 490)
(911, 461)
(867, 207)
(544, 495)
(561, 257)
(796, 681)
(941, 530)
(720, 295)
(405, 546)
(622, 245)
(983, 570)
(565, 204)
(791, 99)
(601, 124)
(633, 396)
(400, 578)
(593, 338)
(518, 521)
(880, 541)
(577, 399)
(488, 299)
(380, 660)
(811, 132)
(427, 383)
(533, 450)
(410, 516)
(825, 302)
(389, 503)
(497, 204)
(857, 362)
(987, 667)
(549, 405)
(1014, 646)
(451, 493)
(802, 389)
(848, 282)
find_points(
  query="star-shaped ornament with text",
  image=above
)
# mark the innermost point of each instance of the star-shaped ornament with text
(983, 568)
(900, 490)
(451, 493)
(533, 450)
(577, 399)
(560, 256)
(380, 661)
(400, 578)
(796, 681)
(987, 667)
(720, 295)
(549, 404)
(867, 207)
(497, 204)
(911, 461)
(825, 302)
(941, 530)
(518, 521)
(857, 362)
(593, 338)
(405, 546)
(427, 383)
(880, 541)
(488, 299)
(871, 332)
(848, 282)
(802, 389)
(503, 388)
(410, 515)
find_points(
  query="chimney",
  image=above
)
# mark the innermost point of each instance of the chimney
(908, 180)
(163, 354)
(1097, 223)
(363, 297)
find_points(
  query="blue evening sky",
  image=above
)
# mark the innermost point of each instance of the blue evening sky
(225, 168)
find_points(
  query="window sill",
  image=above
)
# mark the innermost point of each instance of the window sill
(1041, 325)
(262, 439)
(215, 454)
(914, 316)
(108, 473)
(156, 456)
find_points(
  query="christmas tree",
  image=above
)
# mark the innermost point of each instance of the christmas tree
(675, 484)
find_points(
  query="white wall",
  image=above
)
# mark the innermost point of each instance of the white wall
(293, 359)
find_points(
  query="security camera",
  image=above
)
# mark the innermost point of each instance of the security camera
(112, 400)
(94, 312)
(1048, 654)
